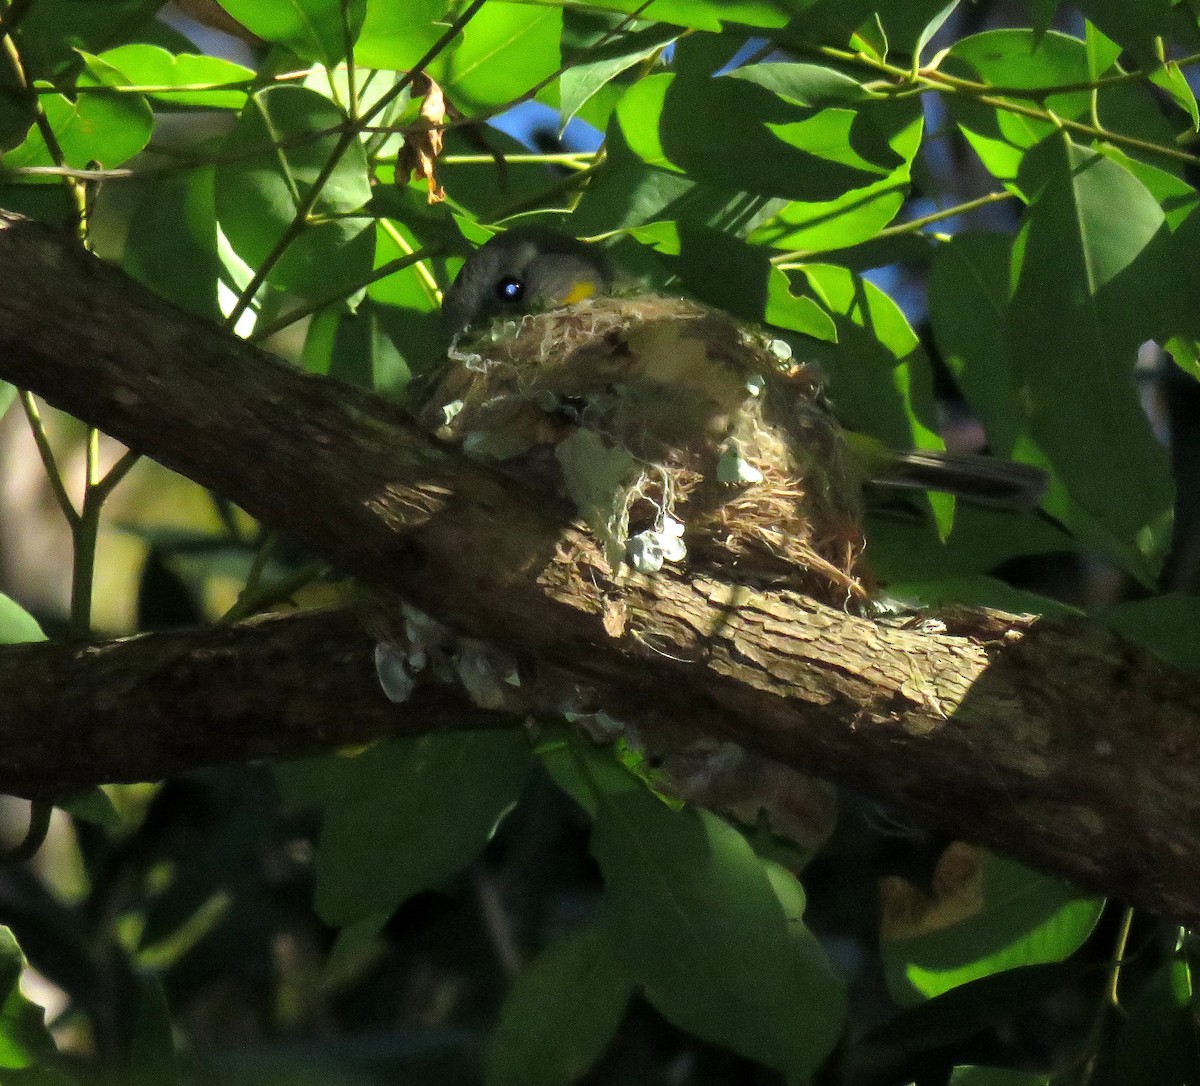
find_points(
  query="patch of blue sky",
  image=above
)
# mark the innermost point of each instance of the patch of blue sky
(526, 119)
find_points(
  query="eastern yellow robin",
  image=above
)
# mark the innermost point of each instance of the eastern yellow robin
(675, 430)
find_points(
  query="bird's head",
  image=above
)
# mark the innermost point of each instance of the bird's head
(524, 270)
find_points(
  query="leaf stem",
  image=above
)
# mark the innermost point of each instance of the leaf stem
(997, 97)
(308, 201)
(797, 256)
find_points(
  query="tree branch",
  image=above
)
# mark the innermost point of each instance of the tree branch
(1053, 741)
(143, 708)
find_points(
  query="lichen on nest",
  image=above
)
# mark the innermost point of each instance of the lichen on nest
(679, 435)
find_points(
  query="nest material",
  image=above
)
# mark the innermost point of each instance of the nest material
(661, 418)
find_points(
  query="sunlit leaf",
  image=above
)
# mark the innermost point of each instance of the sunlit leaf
(16, 624)
(395, 36)
(504, 52)
(179, 80)
(986, 914)
(24, 1039)
(581, 81)
(313, 29)
(101, 126)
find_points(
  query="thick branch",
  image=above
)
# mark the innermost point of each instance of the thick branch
(145, 707)
(1054, 742)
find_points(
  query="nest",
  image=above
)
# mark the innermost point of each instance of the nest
(679, 435)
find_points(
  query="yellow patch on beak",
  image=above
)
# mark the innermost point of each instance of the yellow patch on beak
(584, 288)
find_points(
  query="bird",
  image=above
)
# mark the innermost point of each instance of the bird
(681, 434)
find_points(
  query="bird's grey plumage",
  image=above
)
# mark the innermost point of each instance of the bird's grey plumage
(523, 270)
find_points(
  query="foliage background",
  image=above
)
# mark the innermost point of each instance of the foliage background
(979, 218)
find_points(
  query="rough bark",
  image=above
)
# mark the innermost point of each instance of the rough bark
(1055, 742)
(141, 708)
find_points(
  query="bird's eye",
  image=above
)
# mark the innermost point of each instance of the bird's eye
(510, 289)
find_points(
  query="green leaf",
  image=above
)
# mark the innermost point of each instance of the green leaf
(16, 117)
(276, 152)
(504, 52)
(95, 806)
(994, 915)
(903, 549)
(1074, 342)
(171, 243)
(1133, 26)
(102, 126)
(312, 29)
(363, 354)
(561, 1012)
(1041, 15)
(581, 81)
(811, 85)
(846, 170)
(871, 38)
(930, 31)
(178, 77)
(798, 153)
(627, 192)
(16, 624)
(1170, 78)
(707, 14)
(51, 31)
(712, 933)
(1174, 195)
(995, 1076)
(968, 313)
(1168, 626)
(395, 36)
(900, 1044)
(880, 379)
(152, 1060)
(24, 1039)
(1017, 59)
(858, 214)
(977, 591)
(738, 278)
(1158, 1040)
(404, 815)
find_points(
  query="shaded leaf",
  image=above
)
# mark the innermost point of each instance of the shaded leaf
(1168, 626)
(404, 815)
(718, 946)
(1074, 347)
(561, 1013)
(880, 379)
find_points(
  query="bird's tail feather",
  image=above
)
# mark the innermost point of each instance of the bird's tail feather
(972, 476)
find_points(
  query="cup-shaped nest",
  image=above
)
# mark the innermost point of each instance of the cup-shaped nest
(678, 434)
